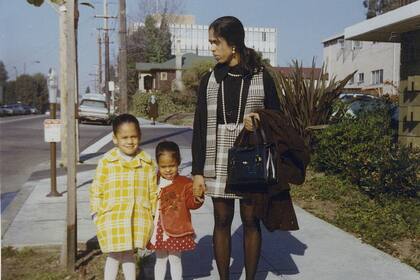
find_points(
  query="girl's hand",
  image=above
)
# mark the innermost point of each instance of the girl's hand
(198, 188)
(248, 121)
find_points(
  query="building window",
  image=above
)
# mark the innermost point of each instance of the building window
(377, 77)
(163, 76)
(264, 36)
(357, 45)
(361, 78)
(341, 43)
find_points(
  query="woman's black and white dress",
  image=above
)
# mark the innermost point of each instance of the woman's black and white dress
(216, 119)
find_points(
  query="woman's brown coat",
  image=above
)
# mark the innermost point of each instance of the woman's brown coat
(275, 207)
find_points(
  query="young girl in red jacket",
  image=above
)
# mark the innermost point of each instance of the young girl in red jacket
(173, 232)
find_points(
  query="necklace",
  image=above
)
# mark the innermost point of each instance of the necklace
(239, 109)
(234, 75)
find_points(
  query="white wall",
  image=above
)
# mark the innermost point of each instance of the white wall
(194, 38)
(365, 57)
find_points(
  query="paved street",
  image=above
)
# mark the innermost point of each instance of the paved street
(23, 150)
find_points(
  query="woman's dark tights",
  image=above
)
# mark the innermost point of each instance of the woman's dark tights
(223, 216)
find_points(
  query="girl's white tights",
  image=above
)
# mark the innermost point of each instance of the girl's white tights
(128, 265)
(162, 258)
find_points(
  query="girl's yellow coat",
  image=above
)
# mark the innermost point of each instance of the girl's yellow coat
(123, 196)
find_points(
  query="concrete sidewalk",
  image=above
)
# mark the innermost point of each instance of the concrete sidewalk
(317, 251)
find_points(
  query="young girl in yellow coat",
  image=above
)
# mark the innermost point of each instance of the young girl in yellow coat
(123, 197)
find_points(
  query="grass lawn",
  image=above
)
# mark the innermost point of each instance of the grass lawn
(390, 224)
(44, 264)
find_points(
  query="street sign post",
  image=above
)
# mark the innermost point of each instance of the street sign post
(111, 88)
(52, 131)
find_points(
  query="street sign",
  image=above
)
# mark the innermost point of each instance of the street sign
(52, 87)
(52, 129)
(111, 85)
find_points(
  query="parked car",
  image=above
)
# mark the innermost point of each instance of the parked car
(358, 103)
(31, 109)
(16, 109)
(7, 111)
(20, 109)
(93, 108)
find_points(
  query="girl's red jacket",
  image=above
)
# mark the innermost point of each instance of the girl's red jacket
(176, 200)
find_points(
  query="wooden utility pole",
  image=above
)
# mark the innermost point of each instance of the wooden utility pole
(107, 73)
(63, 87)
(122, 66)
(70, 241)
(106, 30)
(99, 62)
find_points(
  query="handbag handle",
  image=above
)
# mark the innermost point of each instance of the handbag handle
(258, 131)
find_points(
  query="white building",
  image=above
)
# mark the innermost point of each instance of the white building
(193, 38)
(377, 64)
(400, 25)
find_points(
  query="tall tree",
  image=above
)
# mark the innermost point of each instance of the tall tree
(158, 41)
(3, 79)
(9, 92)
(159, 7)
(3, 73)
(87, 89)
(32, 90)
(370, 5)
(377, 7)
(165, 37)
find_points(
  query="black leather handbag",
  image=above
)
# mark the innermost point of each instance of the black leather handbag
(252, 168)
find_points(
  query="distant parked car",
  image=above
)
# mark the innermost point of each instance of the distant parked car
(93, 108)
(19, 109)
(7, 111)
(31, 109)
(16, 110)
(358, 103)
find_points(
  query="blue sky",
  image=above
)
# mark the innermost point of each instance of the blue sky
(29, 34)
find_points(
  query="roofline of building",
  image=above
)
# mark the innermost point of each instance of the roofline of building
(364, 29)
(334, 37)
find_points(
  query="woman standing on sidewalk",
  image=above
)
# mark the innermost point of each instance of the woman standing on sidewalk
(238, 86)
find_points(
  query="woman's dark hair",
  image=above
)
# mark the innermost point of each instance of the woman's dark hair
(231, 29)
(124, 118)
(168, 147)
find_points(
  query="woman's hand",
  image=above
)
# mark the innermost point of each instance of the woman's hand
(248, 121)
(198, 188)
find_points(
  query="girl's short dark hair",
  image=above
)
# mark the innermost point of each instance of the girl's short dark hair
(124, 118)
(231, 29)
(170, 147)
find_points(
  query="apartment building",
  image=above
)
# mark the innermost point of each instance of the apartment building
(377, 64)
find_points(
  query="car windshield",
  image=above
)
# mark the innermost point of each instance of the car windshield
(94, 103)
(365, 105)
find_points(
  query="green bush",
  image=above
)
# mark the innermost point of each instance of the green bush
(363, 150)
(168, 103)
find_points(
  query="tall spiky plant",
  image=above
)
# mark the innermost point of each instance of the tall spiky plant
(307, 101)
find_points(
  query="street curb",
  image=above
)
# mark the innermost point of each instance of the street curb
(15, 205)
